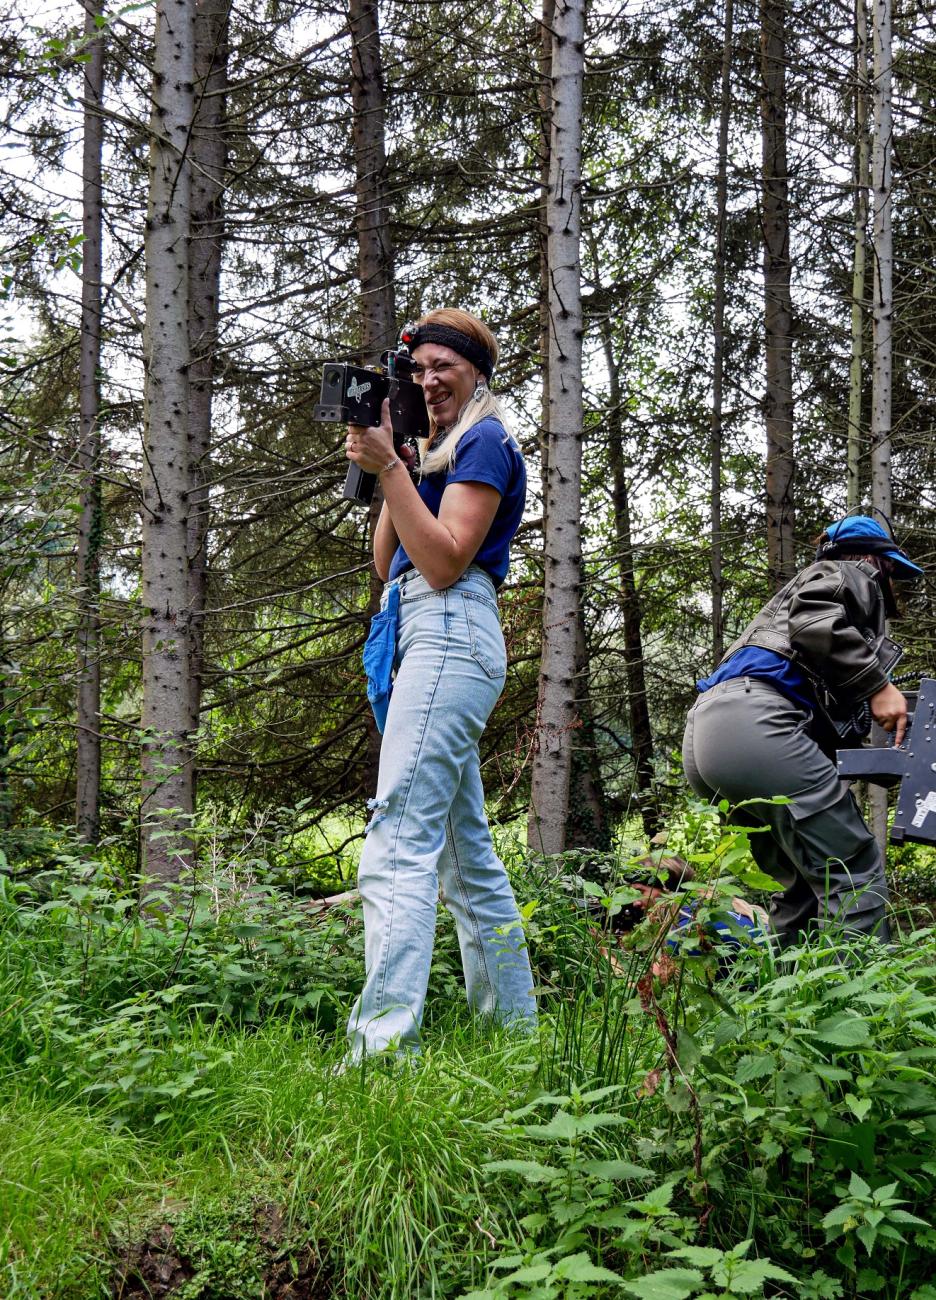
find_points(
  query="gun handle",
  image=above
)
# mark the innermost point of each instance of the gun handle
(359, 486)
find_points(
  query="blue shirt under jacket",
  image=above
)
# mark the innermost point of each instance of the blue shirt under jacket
(754, 661)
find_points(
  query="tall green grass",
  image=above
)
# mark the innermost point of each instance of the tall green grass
(380, 1168)
(179, 1073)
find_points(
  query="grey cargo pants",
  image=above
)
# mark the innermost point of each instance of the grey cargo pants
(745, 740)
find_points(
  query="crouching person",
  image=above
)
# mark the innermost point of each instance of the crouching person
(804, 679)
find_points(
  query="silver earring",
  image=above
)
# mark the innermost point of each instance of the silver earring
(480, 391)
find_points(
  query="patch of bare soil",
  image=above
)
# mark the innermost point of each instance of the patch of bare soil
(157, 1267)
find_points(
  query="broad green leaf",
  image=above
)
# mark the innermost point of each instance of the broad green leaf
(235, 972)
(739, 1251)
(832, 1073)
(597, 1094)
(508, 1261)
(656, 1201)
(849, 990)
(754, 1066)
(531, 1170)
(749, 1275)
(753, 878)
(604, 1119)
(842, 1216)
(579, 1268)
(531, 1273)
(867, 1236)
(616, 1218)
(858, 1187)
(843, 1031)
(859, 1106)
(687, 1050)
(906, 1218)
(726, 1031)
(562, 1125)
(667, 1284)
(614, 1169)
(704, 1256)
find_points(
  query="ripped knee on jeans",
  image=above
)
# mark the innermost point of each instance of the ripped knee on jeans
(379, 808)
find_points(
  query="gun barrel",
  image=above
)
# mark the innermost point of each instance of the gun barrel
(879, 766)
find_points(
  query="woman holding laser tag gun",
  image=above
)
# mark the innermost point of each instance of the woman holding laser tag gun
(442, 548)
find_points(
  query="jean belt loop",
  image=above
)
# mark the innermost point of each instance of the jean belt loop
(747, 685)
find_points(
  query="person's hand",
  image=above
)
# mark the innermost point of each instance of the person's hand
(889, 708)
(371, 448)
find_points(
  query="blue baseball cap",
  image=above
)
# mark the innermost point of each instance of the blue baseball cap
(859, 533)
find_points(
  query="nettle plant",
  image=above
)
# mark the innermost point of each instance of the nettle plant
(592, 1222)
(131, 1010)
(786, 1107)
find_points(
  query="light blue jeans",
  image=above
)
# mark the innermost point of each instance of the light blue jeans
(428, 826)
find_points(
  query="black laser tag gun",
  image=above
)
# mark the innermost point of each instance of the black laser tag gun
(355, 394)
(912, 767)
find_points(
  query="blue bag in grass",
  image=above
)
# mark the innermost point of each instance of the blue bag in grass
(379, 650)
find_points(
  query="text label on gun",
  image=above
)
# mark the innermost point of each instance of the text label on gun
(923, 808)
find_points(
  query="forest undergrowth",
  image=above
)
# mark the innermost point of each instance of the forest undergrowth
(173, 1121)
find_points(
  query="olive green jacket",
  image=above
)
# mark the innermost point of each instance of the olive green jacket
(829, 621)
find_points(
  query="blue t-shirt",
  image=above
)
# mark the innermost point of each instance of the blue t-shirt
(485, 454)
(755, 661)
(725, 925)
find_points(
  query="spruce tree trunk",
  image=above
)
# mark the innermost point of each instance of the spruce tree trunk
(209, 159)
(882, 309)
(587, 823)
(166, 807)
(638, 709)
(883, 280)
(375, 245)
(556, 711)
(778, 306)
(545, 118)
(718, 351)
(88, 756)
(853, 463)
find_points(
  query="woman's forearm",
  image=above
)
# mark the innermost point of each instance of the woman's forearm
(385, 543)
(440, 548)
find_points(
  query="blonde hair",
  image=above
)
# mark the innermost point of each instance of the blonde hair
(440, 456)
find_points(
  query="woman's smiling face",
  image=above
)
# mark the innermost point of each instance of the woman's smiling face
(447, 380)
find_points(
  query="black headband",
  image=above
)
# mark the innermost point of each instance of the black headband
(415, 335)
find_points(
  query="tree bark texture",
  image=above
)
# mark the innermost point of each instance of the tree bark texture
(638, 708)
(545, 118)
(718, 339)
(374, 241)
(166, 480)
(853, 461)
(778, 306)
(208, 149)
(556, 709)
(883, 279)
(882, 310)
(372, 215)
(88, 755)
(587, 822)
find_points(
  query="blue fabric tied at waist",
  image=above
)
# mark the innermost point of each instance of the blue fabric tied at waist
(379, 650)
